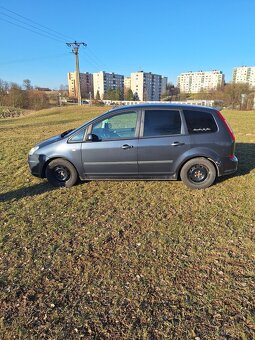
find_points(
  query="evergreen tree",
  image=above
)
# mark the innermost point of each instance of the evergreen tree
(98, 96)
(129, 95)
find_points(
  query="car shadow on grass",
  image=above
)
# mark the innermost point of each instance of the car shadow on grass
(30, 191)
(245, 153)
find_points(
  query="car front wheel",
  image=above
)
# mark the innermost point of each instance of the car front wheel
(198, 173)
(61, 173)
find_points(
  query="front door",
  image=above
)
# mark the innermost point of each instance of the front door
(114, 152)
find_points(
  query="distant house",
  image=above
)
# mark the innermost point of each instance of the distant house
(45, 89)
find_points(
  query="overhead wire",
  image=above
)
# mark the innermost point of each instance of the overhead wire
(38, 24)
(90, 50)
(35, 59)
(48, 33)
(29, 25)
(90, 60)
(29, 29)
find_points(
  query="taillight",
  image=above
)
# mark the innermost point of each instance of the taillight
(231, 133)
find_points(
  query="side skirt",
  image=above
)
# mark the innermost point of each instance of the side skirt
(131, 178)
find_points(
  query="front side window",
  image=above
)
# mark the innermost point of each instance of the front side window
(120, 126)
(199, 121)
(162, 123)
(78, 137)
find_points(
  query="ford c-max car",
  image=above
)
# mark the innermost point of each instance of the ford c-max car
(147, 141)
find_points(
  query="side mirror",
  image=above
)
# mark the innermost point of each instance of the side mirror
(91, 137)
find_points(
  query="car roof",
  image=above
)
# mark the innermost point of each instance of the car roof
(161, 106)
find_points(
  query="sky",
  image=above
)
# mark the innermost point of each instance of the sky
(164, 37)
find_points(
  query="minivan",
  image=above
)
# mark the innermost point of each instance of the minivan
(146, 142)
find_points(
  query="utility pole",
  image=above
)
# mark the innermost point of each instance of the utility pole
(75, 49)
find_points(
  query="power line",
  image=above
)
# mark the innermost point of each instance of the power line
(91, 61)
(96, 57)
(46, 32)
(18, 61)
(28, 29)
(28, 19)
(29, 25)
(57, 36)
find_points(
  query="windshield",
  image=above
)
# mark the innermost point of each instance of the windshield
(69, 132)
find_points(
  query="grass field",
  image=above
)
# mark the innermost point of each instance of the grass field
(124, 260)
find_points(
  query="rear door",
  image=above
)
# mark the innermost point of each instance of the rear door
(114, 155)
(161, 144)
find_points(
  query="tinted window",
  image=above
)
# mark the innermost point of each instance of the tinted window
(199, 121)
(162, 123)
(119, 126)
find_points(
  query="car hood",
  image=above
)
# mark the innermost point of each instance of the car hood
(49, 141)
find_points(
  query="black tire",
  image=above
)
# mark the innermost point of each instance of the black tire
(61, 173)
(198, 173)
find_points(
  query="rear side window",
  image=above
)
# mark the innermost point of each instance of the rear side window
(162, 123)
(199, 121)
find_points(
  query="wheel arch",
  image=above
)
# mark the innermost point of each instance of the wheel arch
(215, 163)
(52, 159)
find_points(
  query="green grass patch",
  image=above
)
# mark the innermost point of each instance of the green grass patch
(124, 260)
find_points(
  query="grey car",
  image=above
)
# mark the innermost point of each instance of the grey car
(147, 142)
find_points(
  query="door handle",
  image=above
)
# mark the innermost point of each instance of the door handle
(126, 146)
(177, 143)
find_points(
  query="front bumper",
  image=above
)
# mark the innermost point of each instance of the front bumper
(36, 165)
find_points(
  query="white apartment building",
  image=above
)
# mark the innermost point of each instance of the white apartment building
(127, 82)
(148, 86)
(195, 82)
(86, 81)
(103, 81)
(244, 74)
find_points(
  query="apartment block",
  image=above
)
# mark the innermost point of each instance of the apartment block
(163, 85)
(86, 81)
(127, 82)
(195, 82)
(244, 74)
(148, 86)
(104, 81)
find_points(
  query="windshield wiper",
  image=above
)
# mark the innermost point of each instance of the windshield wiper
(63, 134)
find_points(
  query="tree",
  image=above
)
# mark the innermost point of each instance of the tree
(171, 93)
(234, 95)
(118, 94)
(4, 87)
(109, 94)
(16, 96)
(37, 100)
(63, 89)
(27, 84)
(113, 94)
(129, 95)
(98, 95)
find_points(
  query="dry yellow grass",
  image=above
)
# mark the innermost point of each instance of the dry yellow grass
(124, 260)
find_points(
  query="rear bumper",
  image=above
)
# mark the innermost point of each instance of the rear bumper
(228, 165)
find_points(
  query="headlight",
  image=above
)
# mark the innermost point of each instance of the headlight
(33, 150)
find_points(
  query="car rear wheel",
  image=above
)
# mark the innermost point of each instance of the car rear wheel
(61, 173)
(198, 173)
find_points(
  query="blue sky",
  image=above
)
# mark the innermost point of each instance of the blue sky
(164, 37)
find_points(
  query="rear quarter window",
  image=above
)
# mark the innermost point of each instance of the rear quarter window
(199, 121)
